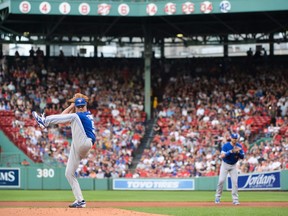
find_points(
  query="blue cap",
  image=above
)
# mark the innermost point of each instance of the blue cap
(80, 102)
(234, 136)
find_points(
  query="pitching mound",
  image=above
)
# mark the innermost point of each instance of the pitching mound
(69, 212)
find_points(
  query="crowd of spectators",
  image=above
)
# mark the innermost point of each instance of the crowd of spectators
(200, 102)
(116, 102)
(200, 110)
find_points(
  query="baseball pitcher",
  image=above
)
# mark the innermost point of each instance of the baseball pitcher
(83, 138)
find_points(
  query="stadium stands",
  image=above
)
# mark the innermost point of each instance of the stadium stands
(196, 113)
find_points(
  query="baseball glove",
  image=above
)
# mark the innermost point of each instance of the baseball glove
(78, 95)
(236, 149)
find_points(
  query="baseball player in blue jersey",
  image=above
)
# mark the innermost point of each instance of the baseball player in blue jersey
(83, 138)
(231, 152)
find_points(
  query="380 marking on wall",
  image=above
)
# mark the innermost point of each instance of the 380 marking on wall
(45, 173)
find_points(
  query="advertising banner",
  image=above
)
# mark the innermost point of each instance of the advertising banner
(153, 184)
(9, 178)
(257, 181)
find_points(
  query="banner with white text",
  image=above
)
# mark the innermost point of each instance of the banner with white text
(9, 178)
(257, 181)
(153, 184)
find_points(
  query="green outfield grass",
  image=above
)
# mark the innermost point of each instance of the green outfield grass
(66, 195)
(215, 211)
(154, 196)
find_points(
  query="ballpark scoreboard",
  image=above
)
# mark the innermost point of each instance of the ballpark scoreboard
(138, 9)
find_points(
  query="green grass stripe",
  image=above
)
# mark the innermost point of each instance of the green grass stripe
(215, 211)
(177, 196)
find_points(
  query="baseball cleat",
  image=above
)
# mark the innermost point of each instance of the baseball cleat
(78, 204)
(236, 203)
(217, 201)
(40, 119)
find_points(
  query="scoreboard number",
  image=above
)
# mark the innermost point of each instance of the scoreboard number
(123, 9)
(25, 7)
(84, 8)
(45, 7)
(64, 8)
(206, 7)
(170, 8)
(225, 6)
(188, 8)
(104, 9)
(151, 9)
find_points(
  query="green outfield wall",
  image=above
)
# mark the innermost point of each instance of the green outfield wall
(46, 178)
(11, 155)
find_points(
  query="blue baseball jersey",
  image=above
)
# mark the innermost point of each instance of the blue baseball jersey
(231, 158)
(88, 124)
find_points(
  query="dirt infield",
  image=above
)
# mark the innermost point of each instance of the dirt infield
(108, 208)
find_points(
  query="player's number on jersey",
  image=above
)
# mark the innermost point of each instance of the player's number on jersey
(93, 126)
(45, 173)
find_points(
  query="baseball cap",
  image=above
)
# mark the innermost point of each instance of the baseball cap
(80, 102)
(234, 136)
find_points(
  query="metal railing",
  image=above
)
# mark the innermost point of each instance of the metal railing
(9, 159)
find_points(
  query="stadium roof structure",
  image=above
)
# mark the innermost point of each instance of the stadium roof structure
(265, 18)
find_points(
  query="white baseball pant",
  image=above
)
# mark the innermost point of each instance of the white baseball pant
(80, 146)
(224, 170)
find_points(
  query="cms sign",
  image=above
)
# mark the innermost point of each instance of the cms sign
(9, 178)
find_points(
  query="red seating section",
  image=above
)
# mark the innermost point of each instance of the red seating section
(258, 123)
(6, 124)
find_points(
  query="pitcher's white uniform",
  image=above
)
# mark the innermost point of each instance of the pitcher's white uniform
(83, 138)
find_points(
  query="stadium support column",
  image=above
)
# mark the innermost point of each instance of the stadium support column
(271, 44)
(1, 55)
(225, 46)
(95, 51)
(48, 50)
(147, 71)
(162, 52)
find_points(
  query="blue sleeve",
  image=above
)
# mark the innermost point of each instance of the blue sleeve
(226, 150)
(228, 153)
(241, 154)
